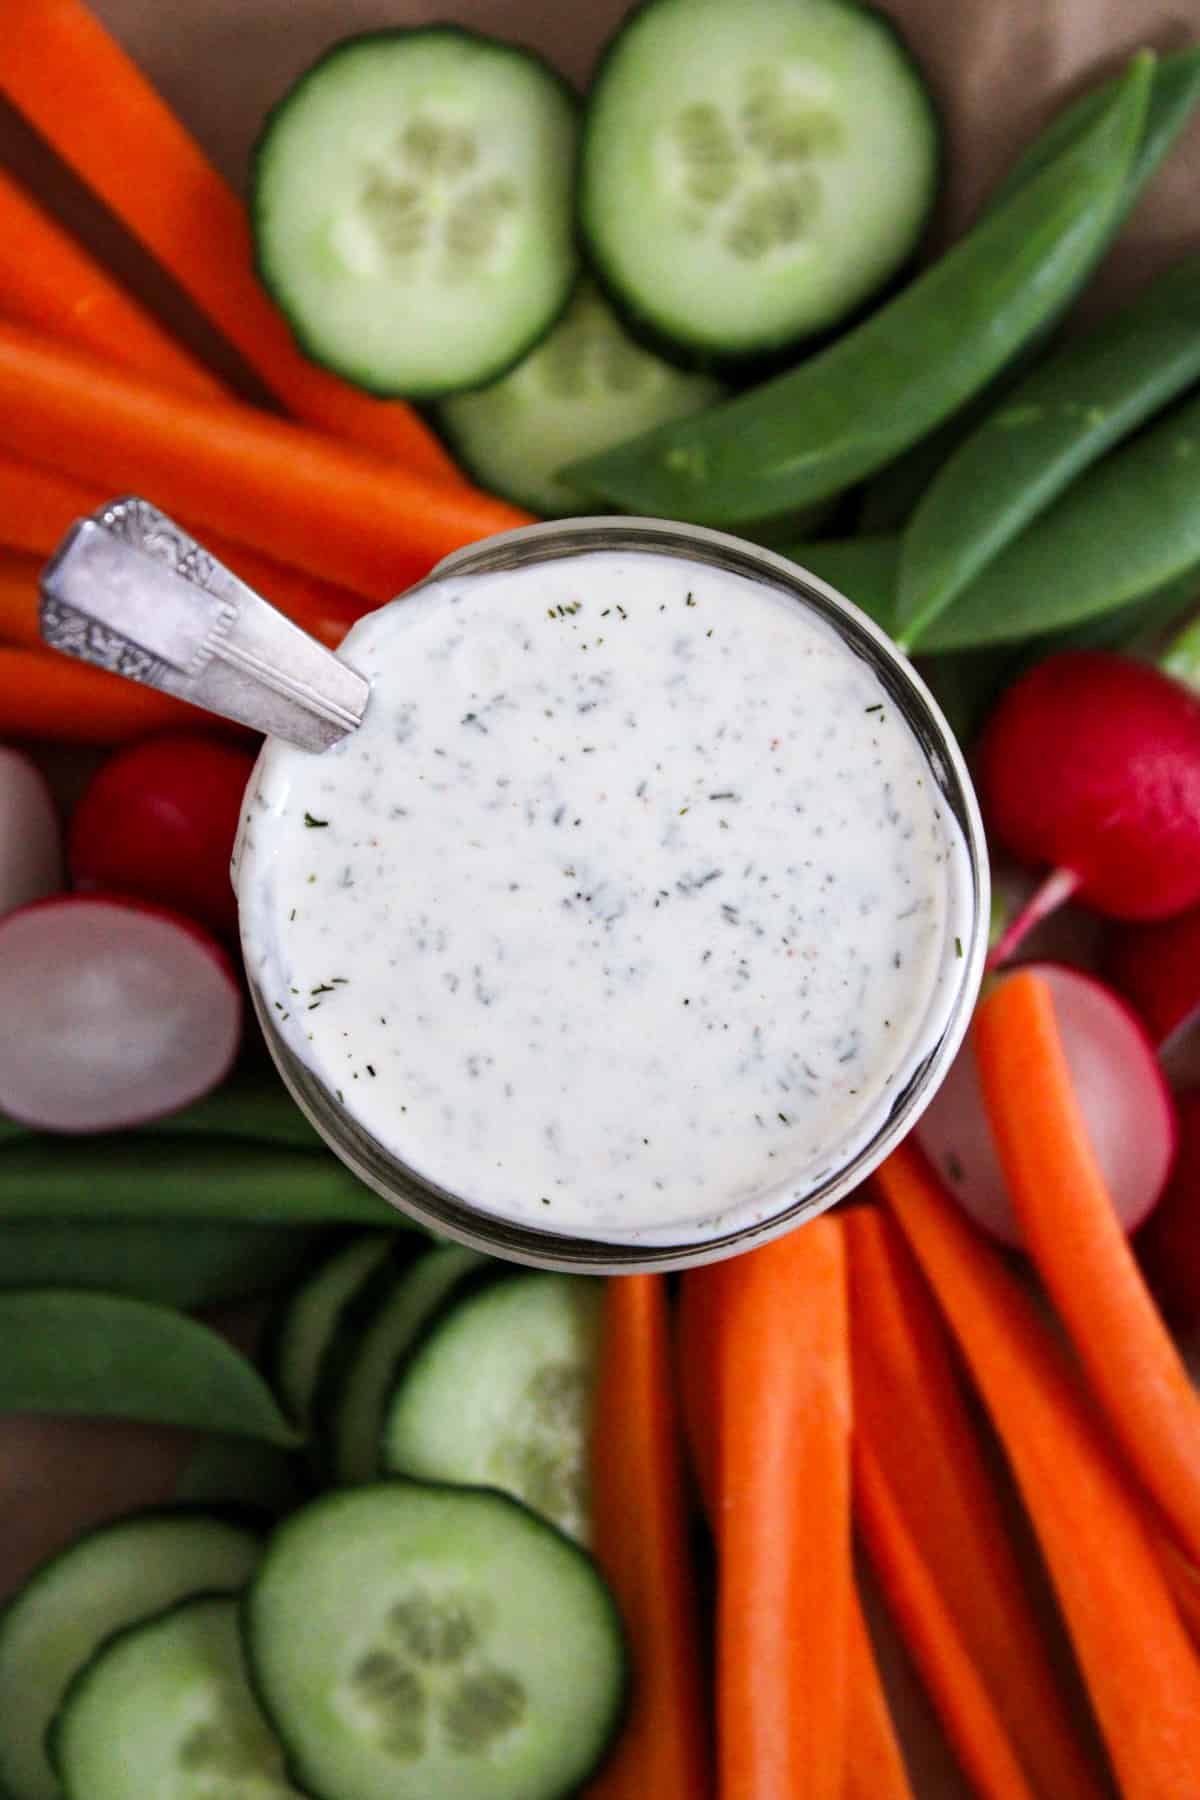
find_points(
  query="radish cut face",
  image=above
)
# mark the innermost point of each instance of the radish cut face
(110, 1013)
(1129, 1112)
(31, 851)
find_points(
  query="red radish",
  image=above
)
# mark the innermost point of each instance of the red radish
(31, 852)
(1157, 968)
(1125, 1100)
(1169, 1242)
(158, 820)
(111, 1012)
(1091, 764)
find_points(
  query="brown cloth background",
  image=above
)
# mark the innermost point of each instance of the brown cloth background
(997, 67)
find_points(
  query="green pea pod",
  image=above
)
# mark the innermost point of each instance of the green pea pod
(864, 569)
(1182, 655)
(67, 1352)
(237, 1471)
(1058, 421)
(196, 1263)
(131, 1177)
(852, 407)
(262, 1111)
(1119, 534)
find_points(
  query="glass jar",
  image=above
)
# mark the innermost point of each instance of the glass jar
(455, 1215)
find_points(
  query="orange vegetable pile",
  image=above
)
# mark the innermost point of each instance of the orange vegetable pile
(325, 518)
(836, 1380)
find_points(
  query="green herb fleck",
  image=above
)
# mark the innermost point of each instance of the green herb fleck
(878, 707)
(958, 949)
(315, 824)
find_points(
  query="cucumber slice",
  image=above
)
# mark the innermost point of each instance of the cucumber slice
(104, 1582)
(753, 169)
(409, 1642)
(376, 1333)
(586, 386)
(499, 1394)
(165, 1709)
(308, 1321)
(411, 207)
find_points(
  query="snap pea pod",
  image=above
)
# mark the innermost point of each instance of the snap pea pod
(262, 1111)
(1182, 656)
(1121, 533)
(1056, 423)
(864, 569)
(131, 1177)
(852, 407)
(62, 1351)
(188, 1264)
(239, 1471)
(892, 495)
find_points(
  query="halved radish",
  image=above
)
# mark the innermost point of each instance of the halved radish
(31, 852)
(1129, 1111)
(111, 1012)
(158, 820)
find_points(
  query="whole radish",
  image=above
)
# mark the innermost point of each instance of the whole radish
(1168, 1245)
(1157, 968)
(158, 821)
(31, 851)
(1129, 1112)
(1090, 765)
(111, 1012)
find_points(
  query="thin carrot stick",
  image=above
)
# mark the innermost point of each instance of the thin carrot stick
(697, 1347)
(19, 599)
(45, 695)
(91, 102)
(910, 1412)
(48, 281)
(1183, 1579)
(641, 1543)
(783, 1528)
(874, 1761)
(37, 507)
(339, 512)
(1072, 1233)
(1141, 1671)
(972, 1726)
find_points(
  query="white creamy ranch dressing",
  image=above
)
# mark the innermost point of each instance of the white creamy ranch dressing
(626, 911)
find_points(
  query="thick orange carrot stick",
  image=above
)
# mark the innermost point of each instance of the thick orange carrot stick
(48, 281)
(76, 86)
(1141, 1671)
(910, 1411)
(19, 599)
(972, 1726)
(339, 512)
(37, 507)
(874, 1761)
(1082, 1255)
(45, 695)
(641, 1543)
(783, 1526)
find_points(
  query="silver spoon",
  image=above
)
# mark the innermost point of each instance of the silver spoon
(129, 591)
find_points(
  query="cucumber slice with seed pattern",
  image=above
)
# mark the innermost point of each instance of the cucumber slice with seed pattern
(753, 169)
(429, 1643)
(102, 1583)
(164, 1710)
(499, 1394)
(412, 207)
(586, 386)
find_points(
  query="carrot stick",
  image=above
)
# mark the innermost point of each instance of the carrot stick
(1072, 1233)
(19, 600)
(50, 282)
(696, 1358)
(874, 1761)
(37, 507)
(910, 1413)
(972, 1726)
(783, 1527)
(641, 1543)
(47, 695)
(342, 513)
(1183, 1579)
(1140, 1669)
(91, 102)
